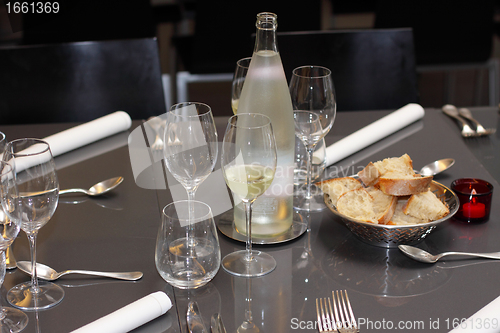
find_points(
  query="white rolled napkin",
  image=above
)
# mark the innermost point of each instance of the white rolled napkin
(374, 132)
(77, 137)
(486, 320)
(89, 132)
(131, 316)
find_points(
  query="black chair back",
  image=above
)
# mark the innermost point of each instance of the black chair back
(371, 69)
(81, 81)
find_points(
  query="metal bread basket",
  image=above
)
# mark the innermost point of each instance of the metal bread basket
(390, 236)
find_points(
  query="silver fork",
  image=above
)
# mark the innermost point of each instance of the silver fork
(339, 318)
(346, 323)
(480, 130)
(452, 111)
(326, 320)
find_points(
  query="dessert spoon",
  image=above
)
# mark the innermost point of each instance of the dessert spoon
(426, 257)
(436, 167)
(97, 189)
(44, 272)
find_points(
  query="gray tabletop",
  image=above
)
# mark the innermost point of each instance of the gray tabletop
(118, 232)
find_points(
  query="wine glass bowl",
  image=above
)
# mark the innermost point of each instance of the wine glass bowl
(190, 144)
(308, 127)
(240, 74)
(311, 89)
(248, 163)
(313, 101)
(11, 320)
(38, 195)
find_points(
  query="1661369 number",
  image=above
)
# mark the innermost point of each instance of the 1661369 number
(472, 324)
(32, 7)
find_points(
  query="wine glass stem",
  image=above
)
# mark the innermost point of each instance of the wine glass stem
(248, 214)
(190, 230)
(2, 274)
(310, 152)
(34, 277)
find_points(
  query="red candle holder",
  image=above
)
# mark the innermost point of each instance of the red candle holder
(475, 199)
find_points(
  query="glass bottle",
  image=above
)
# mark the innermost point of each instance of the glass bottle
(266, 91)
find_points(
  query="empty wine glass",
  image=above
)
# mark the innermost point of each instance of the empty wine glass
(312, 92)
(248, 163)
(240, 74)
(190, 146)
(11, 320)
(38, 188)
(300, 160)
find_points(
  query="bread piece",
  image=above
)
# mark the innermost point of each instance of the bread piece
(357, 204)
(400, 218)
(337, 186)
(393, 184)
(383, 204)
(368, 205)
(425, 206)
(370, 174)
(399, 166)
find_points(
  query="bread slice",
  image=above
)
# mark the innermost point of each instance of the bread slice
(368, 205)
(398, 166)
(394, 176)
(370, 174)
(425, 206)
(400, 218)
(337, 186)
(357, 204)
(394, 184)
(383, 205)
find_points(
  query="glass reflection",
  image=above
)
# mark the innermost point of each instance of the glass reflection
(248, 326)
(207, 297)
(385, 273)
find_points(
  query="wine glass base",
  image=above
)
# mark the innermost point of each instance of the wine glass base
(23, 297)
(12, 320)
(313, 203)
(236, 263)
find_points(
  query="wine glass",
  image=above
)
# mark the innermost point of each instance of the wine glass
(38, 186)
(11, 320)
(248, 163)
(240, 74)
(190, 146)
(312, 92)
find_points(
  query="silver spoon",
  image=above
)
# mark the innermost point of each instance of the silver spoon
(44, 272)
(436, 167)
(97, 189)
(426, 257)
